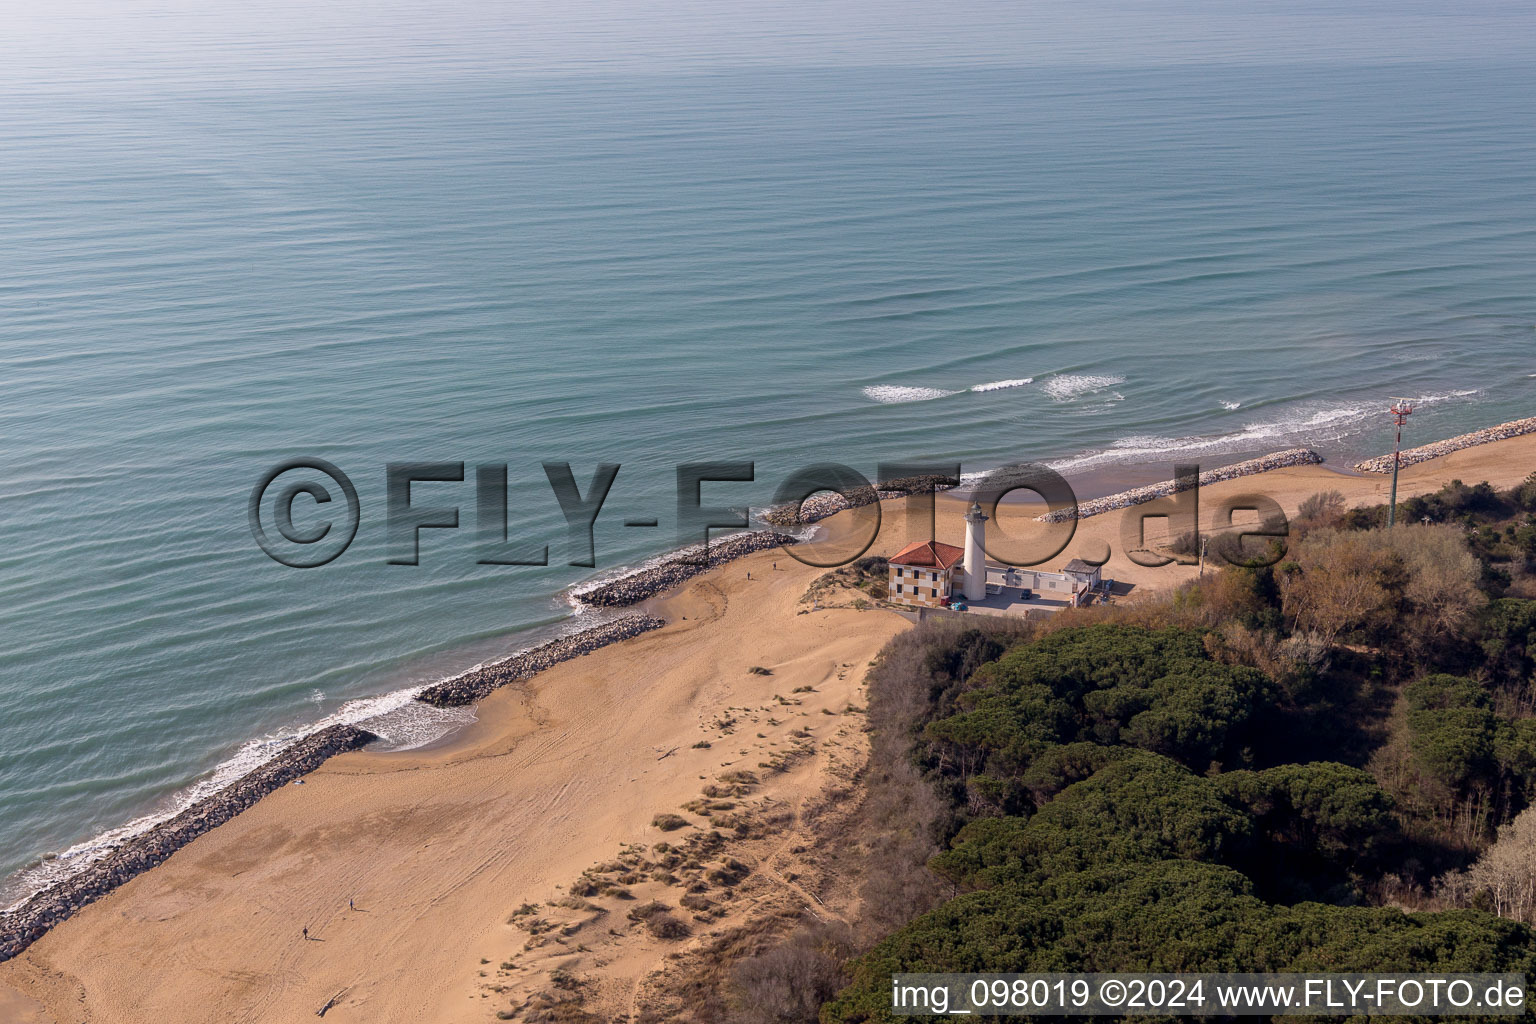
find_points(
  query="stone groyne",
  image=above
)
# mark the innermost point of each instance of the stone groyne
(473, 686)
(32, 919)
(828, 503)
(1423, 453)
(1151, 492)
(646, 583)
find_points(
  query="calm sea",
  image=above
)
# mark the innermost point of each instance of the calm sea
(1096, 268)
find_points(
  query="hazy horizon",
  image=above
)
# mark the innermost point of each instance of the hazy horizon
(83, 43)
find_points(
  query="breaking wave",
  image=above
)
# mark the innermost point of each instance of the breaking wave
(893, 394)
(1305, 425)
(1067, 386)
(999, 385)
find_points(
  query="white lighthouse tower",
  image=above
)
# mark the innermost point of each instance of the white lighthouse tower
(975, 553)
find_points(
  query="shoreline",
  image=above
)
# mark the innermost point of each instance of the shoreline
(440, 845)
(44, 910)
(477, 684)
(673, 570)
(50, 906)
(38, 913)
(824, 504)
(1436, 449)
(1141, 495)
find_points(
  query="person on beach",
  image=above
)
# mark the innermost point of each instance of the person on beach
(351, 905)
(306, 933)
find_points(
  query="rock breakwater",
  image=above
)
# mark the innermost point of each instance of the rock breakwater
(473, 686)
(1423, 453)
(32, 919)
(646, 583)
(828, 503)
(1141, 495)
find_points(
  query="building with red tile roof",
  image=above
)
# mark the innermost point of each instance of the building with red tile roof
(925, 573)
(929, 554)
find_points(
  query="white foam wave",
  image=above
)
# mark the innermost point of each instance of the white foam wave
(893, 394)
(1068, 386)
(999, 385)
(417, 724)
(1304, 425)
(1231, 406)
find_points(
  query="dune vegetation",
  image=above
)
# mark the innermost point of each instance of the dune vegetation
(1326, 764)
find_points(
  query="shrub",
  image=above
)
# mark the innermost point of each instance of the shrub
(670, 822)
(1416, 584)
(1505, 875)
(696, 902)
(789, 982)
(665, 926)
(1325, 508)
(658, 920)
(730, 872)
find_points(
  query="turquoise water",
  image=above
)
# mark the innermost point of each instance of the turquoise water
(779, 265)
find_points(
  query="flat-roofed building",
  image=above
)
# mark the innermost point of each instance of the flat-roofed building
(1083, 572)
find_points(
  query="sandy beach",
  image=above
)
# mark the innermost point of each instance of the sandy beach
(440, 848)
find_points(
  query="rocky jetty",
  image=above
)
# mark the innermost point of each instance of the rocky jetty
(1423, 453)
(1141, 495)
(645, 583)
(827, 503)
(30, 921)
(473, 686)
